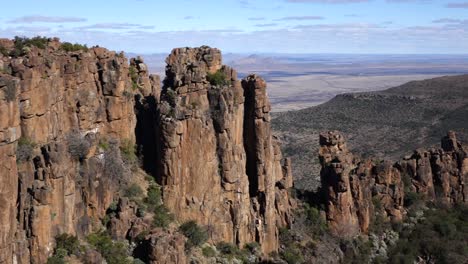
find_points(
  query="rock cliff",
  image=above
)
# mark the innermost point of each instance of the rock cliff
(356, 191)
(219, 163)
(55, 108)
(205, 136)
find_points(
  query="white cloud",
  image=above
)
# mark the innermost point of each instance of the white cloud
(300, 18)
(45, 19)
(328, 1)
(266, 25)
(313, 38)
(457, 5)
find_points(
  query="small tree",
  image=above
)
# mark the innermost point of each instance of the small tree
(196, 235)
(162, 216)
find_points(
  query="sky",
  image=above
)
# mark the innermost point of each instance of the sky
(248, 26)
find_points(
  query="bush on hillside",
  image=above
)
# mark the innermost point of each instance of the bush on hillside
(196, 235)
(112, 251)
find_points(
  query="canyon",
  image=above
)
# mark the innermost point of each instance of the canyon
(91, 143)
(65, 114)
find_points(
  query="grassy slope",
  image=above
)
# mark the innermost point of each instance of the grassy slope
(386, 124)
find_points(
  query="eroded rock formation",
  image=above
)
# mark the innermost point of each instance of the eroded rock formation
(357, 190)
(206, 137)
(55, 106)
(220, 164)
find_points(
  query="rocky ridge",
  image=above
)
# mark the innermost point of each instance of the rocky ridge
(219, 134)
(356, 191)
(55, 107)
(65, 114)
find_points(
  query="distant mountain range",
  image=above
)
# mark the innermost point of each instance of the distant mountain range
(386, 124)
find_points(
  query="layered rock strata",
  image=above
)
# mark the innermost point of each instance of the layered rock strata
(55, 106)
(206, 137)
(219, 163)
(356, 190)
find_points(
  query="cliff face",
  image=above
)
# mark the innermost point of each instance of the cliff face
(220, 164)
(55, 106)
(63, 116)
(357, 190)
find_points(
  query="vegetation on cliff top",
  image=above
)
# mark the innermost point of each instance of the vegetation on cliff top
(218, 78)
(70, 47)
(21, 44)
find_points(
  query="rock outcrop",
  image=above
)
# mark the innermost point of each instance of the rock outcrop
(163, 247)
(206, 137)
(356, 190)
(219, 163)
(55, 107)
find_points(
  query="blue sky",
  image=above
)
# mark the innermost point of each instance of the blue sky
(248, 26)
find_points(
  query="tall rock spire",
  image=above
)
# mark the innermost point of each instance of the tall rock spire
(220, 164)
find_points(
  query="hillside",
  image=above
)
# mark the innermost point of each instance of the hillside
(386, 124)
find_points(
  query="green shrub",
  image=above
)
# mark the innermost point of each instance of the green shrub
(133, 73)
(252, 246)
(3, 51)
(133, 191)
(412, 198)
(439, 236)
(55, 259)
(162, 217)
(171, 97)
(113, 252)
(379, 223)
(316, 225)
(22, 43)
(208, 252)
(134, 77)
(218, 78)
(25, 149)
(196, 235)
(68, 243)
(153, 197)
(68, 47)
(292, 255)
(135, 86)
(104, 144)
(377, 204)
(227, 249)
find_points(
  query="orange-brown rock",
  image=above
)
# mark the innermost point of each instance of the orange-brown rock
(210, 146)
(163, 247)
(439, 173)
(220, 164)
(55, 180)
(357, 190)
